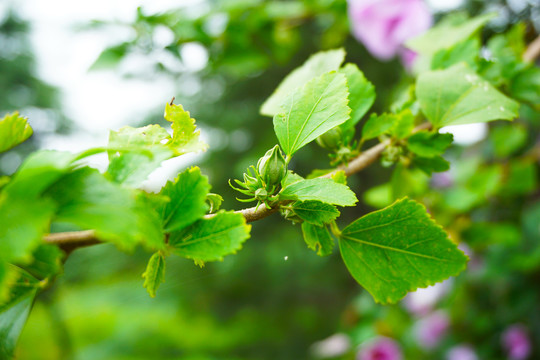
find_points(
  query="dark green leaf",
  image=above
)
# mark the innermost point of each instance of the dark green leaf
(428, 144)
(312, 110)
(315, 212)
(211, 239)
(318, 238)
(399, 249)
(431, 165)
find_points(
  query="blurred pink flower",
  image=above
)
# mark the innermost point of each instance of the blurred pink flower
(430, 330)
(516, 342)
(383, 26)
(380, 348)
(423, 300)
(461, 352)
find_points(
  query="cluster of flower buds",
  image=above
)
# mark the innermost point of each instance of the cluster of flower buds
(338, 140)
(261, 183)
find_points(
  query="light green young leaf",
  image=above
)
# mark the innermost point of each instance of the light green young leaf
(14, 311)
(361, 93)
(429, 144)
(318, 238)
(187, 203)
(324, 190)
(131, 167)
(154, 274)
(14, 129)
(318, 64)
(147, 147)
(88, 200)
(457, 96)
(315, 212)
(399, 249)
(211, 239)
(446, 34)
(312, 110)
(403, 125)
(185, 138)
(378, 125)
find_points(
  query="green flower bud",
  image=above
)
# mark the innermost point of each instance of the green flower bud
(332, 139)
(272, 167)
(251, 182)
(261, 194)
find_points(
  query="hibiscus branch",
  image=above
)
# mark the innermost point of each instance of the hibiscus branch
(70, 241)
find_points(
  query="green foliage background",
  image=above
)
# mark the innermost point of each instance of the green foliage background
(275, 298)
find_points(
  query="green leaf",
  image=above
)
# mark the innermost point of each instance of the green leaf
(429, 144)
(525, 86)
(508, 139)
(46, 261)
(458, 96)
(38, 172)
(446, 34)
(23, 222)
(324, 190)
(185, 138)
(290, 179)
(187, 203)
(110, 57)
(136, 152)
(404, 124)
(379, 196)
(315, 212)
(88, 200)
(361, 93)
(432, 164)
(211, 239)
(399, 249)
(378, 125)
(318, 239)
(154, 274)
(466, 51)
(214, 201)
(14, 129)
(316, 65)
(14, 312)
(131, 167)
(311, 111)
